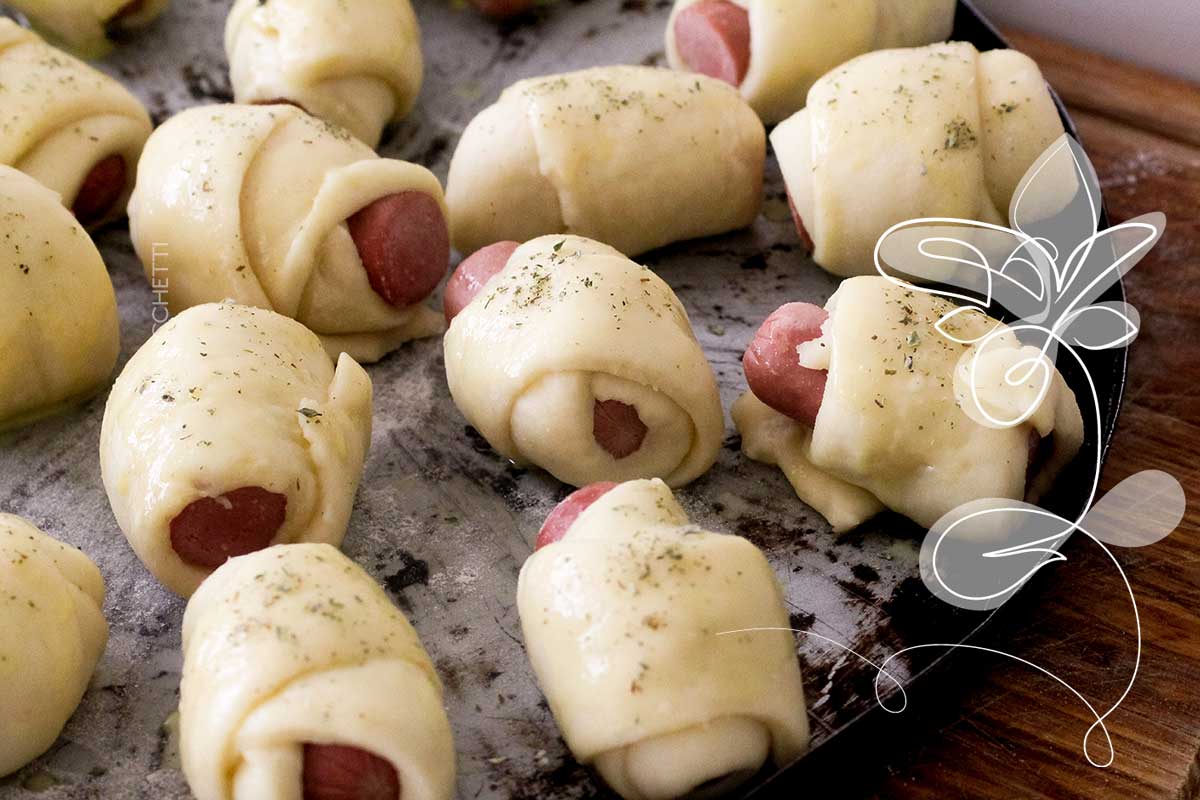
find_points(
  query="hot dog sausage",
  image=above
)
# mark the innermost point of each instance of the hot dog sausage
(100, 191)
(713, 38)
(565, 513)
(474, 271)
(772, 366)
(503, 9)
(404, 243)
(617, 427)
(805, 239)
(338, 772)
(212, 529)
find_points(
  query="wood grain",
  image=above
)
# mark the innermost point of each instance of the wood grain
(987, 728)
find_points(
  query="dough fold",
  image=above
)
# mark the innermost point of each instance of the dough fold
(358, 65)
(59, 117)
(795, 42)
(224, 397)
(569, 322)
(636, 157)
(624, 621)
(59, 332)
(896, 421)
(250, 203)
(297, 645)
(938, 131)
(52, 633)
(87, 29)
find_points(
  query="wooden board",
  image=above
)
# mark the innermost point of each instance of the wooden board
(985, 728)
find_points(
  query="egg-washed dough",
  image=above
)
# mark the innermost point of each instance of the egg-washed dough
(570, 321)
(622, 621)
(226, 396)
(895, 421)
(795, 42)
(635, 157)
(249, 203)
(59, 116)
(939, 131)
(83, 27)
(296, 644)
(356, 64)
(52, 633)
(59, 332)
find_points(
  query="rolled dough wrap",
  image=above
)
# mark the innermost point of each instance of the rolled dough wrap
(795, 42)
(59, 334)
(895, 420)
(250, 203)
(52, 633)
(355, 64)
(87, 28)
(939, 131)
(224, 397)
(623, 621)
(636, 157)
(297, 645)
(569, 322)
(59, 118)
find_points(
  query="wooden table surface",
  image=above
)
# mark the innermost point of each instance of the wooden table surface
(984, 727)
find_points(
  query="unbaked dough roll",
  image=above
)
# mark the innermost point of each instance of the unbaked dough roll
(939, 131)
(70, 126)
(774, 50)
(230, 430)
(88, 28)
(355, 64)
(52, 633)
(580, 361)
(635, 157)
(302, 679)
(896, 418)
(625, 621)
(59, 334)
(271, 207)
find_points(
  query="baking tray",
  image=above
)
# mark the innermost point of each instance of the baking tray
(441, 520)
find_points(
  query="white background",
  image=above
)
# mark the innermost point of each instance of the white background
(1160, 34)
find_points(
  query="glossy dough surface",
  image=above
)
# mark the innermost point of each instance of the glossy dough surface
(59, 116)
(621, 621)
(82, 27)
(892, 423)
(356, 64)
(249, 203)
(795, 42)
(631, 156)
(569, 321)
(939, 131)
(52, 633)
(59, 333)
(296, 644)
(227, 396)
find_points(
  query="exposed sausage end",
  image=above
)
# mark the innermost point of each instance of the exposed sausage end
(470, 276)
(404, 244)
(339, 772)
(100, 190)
(772, 364)
(713, 38)
(211, 530)
(565, 513)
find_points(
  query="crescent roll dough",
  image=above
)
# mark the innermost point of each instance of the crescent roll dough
(296, 645)
(895, 427)
(635, 157)
(356, 64)
(250, 203)
(59, 333)
(224, 397)
(566, 324)
(85, 27)
(795, 42)
(625, 623)
(60, 117)
(52, 633)
(939, 131)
